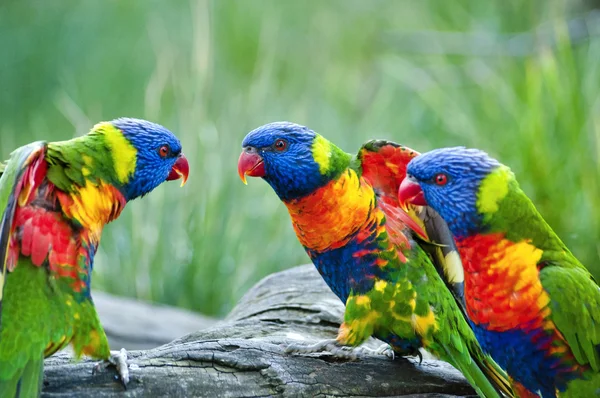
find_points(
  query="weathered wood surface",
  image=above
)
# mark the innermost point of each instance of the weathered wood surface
(243, 356)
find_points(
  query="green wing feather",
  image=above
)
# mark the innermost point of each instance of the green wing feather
(575, 305)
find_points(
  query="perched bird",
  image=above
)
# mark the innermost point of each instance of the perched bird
(534, 307)
(56, 198)
(345, 212)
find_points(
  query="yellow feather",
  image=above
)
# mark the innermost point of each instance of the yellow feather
(413, 302)
(380, 285)
(87, 160)
(493, 189)
(422, 324)
(363, 301)
(122, 151)
(93, 206)
(321, 150)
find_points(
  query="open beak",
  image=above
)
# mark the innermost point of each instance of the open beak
(181, 169)
(410, 192)
(250, 164)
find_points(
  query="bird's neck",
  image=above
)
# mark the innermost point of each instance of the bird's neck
(88, 186)
(93, 206)
(327, 218)
(516, 219)
(92, 157)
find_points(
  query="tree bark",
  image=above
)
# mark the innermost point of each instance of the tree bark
(243, 356)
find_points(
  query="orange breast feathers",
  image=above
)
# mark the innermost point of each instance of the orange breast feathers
(502, 284)
(326, 219)
(93, 206)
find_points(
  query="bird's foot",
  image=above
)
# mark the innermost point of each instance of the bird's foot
(420, 355)
(384, 349)
(117, 359)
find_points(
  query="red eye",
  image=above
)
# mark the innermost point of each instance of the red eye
(280, 145)
(163, 151)
(441, 179)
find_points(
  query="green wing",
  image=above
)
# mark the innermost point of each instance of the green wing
(575, 305)
(12, 173)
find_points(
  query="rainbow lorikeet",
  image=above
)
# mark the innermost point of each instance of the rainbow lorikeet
(345, 212)
(56, 198)
(534, 307)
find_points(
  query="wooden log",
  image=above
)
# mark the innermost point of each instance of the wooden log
(243, 356)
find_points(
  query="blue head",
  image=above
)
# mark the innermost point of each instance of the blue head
(293, 159)
(450, 181)
(149, 155)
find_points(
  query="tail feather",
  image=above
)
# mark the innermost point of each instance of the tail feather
(488, 380)
(495, 373)
(26, 383)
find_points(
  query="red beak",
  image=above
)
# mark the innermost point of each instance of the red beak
(181, 169)
(410, 192)
(250, 164)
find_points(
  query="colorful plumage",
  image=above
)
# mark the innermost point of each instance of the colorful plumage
(345, 212)
(56, 198)
(534, 307)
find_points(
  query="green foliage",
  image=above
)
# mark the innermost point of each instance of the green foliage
(212, 71)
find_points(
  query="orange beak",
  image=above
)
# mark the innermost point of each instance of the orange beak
(181, 169)
(250, 164)
(410, 192)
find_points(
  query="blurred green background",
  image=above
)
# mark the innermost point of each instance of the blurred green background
(514, 78)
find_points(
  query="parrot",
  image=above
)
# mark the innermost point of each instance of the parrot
(56, 198)
(533, 306)
(344, 210)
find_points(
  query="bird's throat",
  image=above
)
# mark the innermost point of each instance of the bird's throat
(327, 218)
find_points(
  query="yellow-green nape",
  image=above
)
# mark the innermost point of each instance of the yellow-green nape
(122, 151)
(493, 188)
(321, 150)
